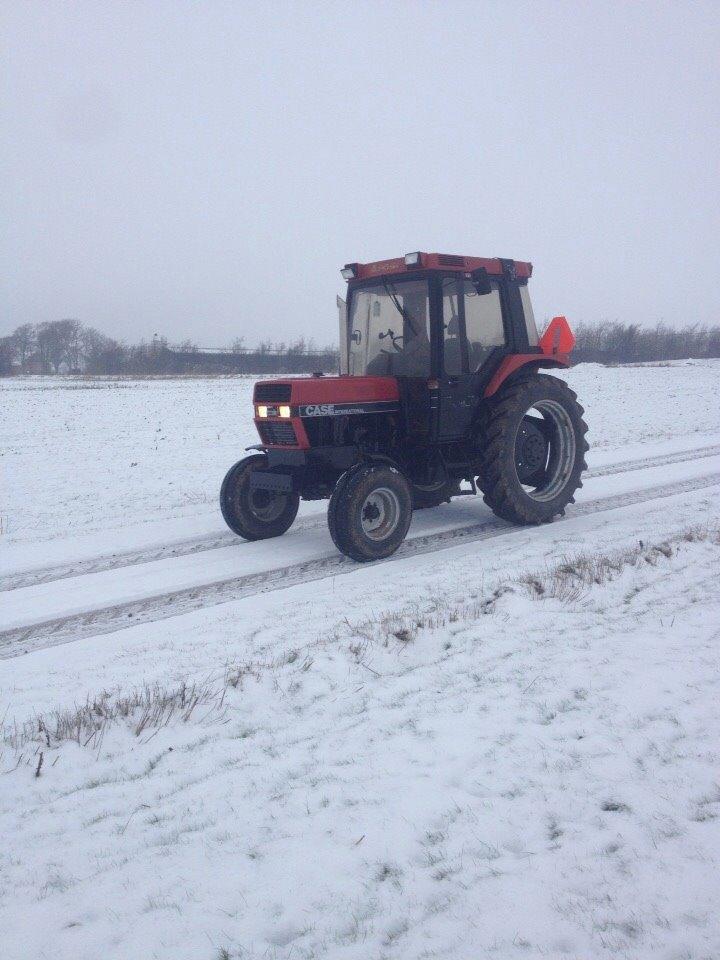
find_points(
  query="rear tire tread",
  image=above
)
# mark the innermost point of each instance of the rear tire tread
(499, 491)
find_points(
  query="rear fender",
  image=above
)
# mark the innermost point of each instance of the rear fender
(555, 345)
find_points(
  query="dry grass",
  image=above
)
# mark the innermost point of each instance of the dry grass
(568, 581)
(145, 711)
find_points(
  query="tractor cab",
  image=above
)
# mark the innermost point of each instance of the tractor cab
(436, 318)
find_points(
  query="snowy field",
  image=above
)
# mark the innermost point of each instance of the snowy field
(507, 747)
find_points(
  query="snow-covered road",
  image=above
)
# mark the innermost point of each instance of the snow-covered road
(93, 603)
(25, 567)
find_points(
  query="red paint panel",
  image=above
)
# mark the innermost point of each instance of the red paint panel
(518, 360)
(439, 261)
(330, 390)
(381, 268)
(556, 344)
(509, 365)
(340, 389)
(493, 265)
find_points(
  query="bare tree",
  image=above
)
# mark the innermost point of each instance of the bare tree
(101, 354)
(73, 331)
(47, 347)
(8, 354)
(297, 347)
(59, 342)
(24, 337)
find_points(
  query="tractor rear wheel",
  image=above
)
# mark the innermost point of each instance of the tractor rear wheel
(370, 512)
(534, 450)
(255, 514)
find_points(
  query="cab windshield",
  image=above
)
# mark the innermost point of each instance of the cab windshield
(389, 330)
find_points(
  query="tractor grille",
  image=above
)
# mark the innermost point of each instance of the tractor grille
(272, 392)
(278, 432)
(450, 260)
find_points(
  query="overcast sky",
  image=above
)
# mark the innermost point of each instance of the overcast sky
(204, 169)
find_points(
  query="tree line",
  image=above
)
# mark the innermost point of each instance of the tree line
(613, 342)
(69, 346)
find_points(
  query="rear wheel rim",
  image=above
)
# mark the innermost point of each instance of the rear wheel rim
(557, 427)
(380, 514)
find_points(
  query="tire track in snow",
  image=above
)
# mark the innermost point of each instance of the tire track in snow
(217, 541)
(111, 619)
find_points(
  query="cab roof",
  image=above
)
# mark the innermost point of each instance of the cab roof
(412, 262)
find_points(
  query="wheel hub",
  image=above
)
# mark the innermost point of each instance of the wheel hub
(531, 450)
(267, 506)
(380, 514)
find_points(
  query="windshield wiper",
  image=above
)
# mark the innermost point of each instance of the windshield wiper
(401, 310)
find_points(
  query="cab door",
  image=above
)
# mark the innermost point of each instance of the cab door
(472, 330)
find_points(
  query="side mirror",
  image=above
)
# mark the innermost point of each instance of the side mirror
(481, 281)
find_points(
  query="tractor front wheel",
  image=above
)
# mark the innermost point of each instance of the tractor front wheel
(370, 512)
(534, 450)
(255, 514)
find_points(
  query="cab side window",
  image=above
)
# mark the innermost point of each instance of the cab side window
(454, 349)
(532, 330)
(473, 326)
(483, 324)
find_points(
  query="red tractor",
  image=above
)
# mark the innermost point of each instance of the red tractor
(439, 384)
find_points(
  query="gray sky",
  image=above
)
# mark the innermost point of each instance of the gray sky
(205, 169)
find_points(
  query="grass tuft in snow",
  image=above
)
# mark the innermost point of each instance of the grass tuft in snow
(145, 709)
(568, 581)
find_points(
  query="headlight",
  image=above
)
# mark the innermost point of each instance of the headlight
(284, 412)
(262, 411)
(412, 259)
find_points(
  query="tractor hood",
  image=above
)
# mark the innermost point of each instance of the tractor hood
(284, 409)
(327, 391)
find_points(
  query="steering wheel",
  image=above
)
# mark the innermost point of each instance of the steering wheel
(395, 340)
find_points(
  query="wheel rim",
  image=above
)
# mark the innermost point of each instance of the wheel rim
(545, 450)
(266, 506)
(380, 514)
